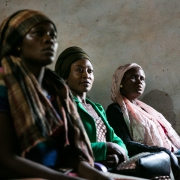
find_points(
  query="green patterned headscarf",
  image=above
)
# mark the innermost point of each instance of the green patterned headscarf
(66, 58)
(15, 27)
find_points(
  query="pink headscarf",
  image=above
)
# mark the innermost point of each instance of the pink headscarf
(145, 124)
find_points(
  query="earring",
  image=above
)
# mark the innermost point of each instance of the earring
(121, 86)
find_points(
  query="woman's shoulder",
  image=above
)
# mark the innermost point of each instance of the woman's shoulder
(95, 105)
(92, 102)
(113, 106)
(114, 110)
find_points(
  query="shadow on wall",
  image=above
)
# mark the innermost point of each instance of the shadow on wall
(178, 123)
(162, 102)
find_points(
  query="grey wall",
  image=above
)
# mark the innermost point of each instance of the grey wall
(116, 32)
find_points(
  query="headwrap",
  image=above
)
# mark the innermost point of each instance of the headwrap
(16, 26)
(35, 119)
(145, 124)
(66, 58)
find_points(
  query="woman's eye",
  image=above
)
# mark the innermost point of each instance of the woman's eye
(90, 71)
(142, 79)
(39, 33)
(53, 35)
(80, 70)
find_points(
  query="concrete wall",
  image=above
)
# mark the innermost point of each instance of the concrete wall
(116, 32)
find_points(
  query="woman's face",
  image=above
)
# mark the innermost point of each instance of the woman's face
(133, 83)
(39, 45)
(81, 77)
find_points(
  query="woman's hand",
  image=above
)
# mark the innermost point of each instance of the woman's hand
(88, 172)
(115, 154)
(113, 148)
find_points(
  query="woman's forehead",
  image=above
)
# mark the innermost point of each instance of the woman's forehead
(134, 70)
(83, 62)
(44, 24)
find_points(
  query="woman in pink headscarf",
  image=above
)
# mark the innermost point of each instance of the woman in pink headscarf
(140, 126)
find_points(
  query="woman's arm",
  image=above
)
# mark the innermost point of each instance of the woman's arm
(117, 122)
(13, 166)
(86, 171)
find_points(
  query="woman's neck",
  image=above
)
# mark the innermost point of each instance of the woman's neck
(37, 71)
(39, 75)
(81, 98)
(134, 101)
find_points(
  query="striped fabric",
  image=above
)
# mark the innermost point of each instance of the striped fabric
(34, 117)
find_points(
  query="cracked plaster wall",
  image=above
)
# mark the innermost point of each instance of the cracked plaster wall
(118, 32)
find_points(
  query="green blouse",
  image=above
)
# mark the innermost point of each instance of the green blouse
(99, 148)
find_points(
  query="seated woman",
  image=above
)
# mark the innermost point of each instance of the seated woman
(40, 129)
(141, 127)
(74, 65)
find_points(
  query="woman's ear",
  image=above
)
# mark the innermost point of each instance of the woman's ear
(18, 50)
(121, 88)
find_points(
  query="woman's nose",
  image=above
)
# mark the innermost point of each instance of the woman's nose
(85, 74)
(49, 38)
(139, 80)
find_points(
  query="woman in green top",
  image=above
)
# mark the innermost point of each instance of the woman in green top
(74, 65)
